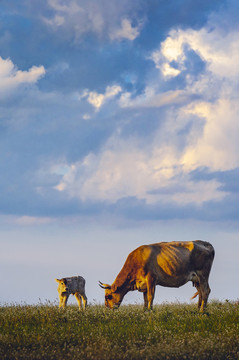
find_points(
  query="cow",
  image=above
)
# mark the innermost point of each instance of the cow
(74, 285)
(170, 264)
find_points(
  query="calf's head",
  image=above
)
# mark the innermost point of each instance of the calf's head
(62, 286)
(113, 297)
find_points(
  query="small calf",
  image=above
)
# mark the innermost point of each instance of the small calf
(74, 285)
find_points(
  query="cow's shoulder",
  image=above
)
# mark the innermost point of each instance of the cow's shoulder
(140, 255)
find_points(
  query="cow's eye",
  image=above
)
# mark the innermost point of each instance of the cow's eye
(109, 297)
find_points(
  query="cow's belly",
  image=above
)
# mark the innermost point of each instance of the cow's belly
(176, 280)
(166, 280)
(173, 281)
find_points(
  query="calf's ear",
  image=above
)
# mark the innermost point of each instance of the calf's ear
(57, 280)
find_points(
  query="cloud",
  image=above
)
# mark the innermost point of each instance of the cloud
(218, 147)
(97, 99)
(11, 77)
(137, 141)
(124, 169)
(150, 98)
(199, 129)
(216, 91)
(31, 220)
(97, 17)
(126, 31)
(220, 54)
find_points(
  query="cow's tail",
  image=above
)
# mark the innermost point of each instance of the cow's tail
(195, 295)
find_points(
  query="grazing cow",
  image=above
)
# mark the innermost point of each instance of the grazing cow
(74, 285)
(170, 264)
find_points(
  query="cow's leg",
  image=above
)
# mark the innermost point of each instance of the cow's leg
(79, 300)
(205, 290)
(150, 290)
(199, 293)
(145, 299)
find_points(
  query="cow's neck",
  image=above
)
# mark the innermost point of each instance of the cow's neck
(123, 284)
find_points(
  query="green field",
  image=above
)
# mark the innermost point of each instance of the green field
(170, 331)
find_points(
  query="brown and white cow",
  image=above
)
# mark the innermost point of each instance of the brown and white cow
(170, 264)
(74, 285)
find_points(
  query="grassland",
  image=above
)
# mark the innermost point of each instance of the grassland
(170, 331)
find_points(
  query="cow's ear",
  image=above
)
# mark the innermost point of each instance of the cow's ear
(57, 280)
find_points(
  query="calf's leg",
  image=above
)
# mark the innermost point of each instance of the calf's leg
(79, 300)
(84, 299)
(62, 301)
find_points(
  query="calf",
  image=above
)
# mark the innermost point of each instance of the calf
(74, 285)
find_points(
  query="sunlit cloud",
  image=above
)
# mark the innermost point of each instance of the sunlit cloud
(125, 170)
(11, 77)
(148, 127)
(218, 147)
(219, 53)
(97, 99)
(160, 172)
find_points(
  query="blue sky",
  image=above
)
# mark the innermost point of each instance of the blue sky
(118, 121)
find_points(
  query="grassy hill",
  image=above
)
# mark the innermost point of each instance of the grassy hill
(170, 331)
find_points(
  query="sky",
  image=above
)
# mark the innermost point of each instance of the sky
(118, 127)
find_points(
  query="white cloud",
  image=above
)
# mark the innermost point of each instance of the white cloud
(160, 172)
(170, 50)
(98, 17)
(218, 147)
(220, 54)
(168, 70)
(126, 31)
(97, 100)
(124, 169)
(11, 77)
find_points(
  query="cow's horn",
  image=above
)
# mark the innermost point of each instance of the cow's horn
(104, 286)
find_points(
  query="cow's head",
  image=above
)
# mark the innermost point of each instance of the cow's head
(113, 296)
(62, 286)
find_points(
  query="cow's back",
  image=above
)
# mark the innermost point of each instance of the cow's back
(164, 254)
(173, 258)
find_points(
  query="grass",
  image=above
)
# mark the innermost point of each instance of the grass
(170, 331)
